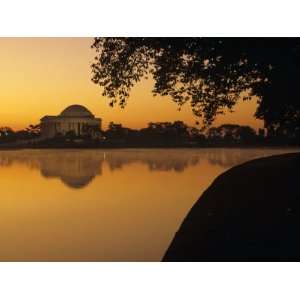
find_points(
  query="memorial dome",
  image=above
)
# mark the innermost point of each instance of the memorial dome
(76, 111)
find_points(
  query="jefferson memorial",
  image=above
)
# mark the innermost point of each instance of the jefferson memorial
(75, 118)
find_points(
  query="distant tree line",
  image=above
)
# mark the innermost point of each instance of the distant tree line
(8, 135)
(180, 134)
(159, 134)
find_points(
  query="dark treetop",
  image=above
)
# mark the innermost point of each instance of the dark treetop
(208, 73)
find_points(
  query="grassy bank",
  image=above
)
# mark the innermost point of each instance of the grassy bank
(249, 213)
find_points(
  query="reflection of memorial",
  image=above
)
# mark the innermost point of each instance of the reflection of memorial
(74, 170)
(77, 168)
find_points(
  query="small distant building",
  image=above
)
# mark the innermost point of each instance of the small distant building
(75, 119)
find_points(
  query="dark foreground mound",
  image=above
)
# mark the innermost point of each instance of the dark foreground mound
(249, 213)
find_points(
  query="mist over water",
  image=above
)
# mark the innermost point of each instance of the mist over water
(103, 205)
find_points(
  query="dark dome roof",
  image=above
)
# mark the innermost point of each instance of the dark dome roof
(76, 182)
(76, 111)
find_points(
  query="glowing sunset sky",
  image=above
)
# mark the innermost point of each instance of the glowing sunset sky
(41, 76)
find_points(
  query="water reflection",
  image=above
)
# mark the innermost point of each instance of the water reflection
(78, 168)
(74, 169)
(103, 205)
(156, 160)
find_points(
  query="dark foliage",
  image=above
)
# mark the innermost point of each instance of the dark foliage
(156, 134)
(179, 134)
(8, 135)
(211, 74)
(231, 133)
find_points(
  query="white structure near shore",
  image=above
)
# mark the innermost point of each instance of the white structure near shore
(75, 119)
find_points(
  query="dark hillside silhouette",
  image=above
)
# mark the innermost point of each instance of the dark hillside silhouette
(249, 213)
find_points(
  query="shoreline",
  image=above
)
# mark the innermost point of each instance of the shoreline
(78, 147)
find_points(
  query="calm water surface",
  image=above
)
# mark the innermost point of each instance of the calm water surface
(103, 205)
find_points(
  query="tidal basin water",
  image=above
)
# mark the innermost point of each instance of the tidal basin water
(103, 205)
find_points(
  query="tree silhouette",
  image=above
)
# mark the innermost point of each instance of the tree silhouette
(232, 133)
(33, 130)
(211, 74)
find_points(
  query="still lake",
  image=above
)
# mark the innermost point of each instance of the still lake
(103, 205)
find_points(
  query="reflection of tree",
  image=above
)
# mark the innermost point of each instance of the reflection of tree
(77, 168)
(5, 162)
(225, 158)
(231, 157)
(157, 160)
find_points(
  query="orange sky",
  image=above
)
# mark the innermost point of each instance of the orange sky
(41, 76)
